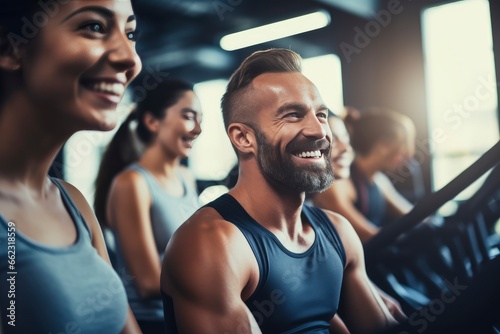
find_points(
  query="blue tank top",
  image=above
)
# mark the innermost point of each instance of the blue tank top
(59, 290)
(370, 201)
(296, 292)
(167, 213)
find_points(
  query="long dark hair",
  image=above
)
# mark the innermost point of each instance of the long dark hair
(375, 125)
(13, 12)
(11, 31)
(122, 150)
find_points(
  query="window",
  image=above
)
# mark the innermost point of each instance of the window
(212, 156)
(461, 87)
(326, 73)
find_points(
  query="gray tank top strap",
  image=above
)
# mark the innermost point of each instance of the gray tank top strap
(73, 210)
(151, 182)
(57, 288)
(154, 186)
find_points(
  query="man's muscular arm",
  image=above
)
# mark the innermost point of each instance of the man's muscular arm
(205, 279)
(361, 307)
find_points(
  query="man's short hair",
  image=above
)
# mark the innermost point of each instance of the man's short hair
(234, 103)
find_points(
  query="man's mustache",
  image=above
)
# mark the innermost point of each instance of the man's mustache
(302, 145)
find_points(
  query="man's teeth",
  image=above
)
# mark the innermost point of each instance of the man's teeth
(310, 154)
(110, 88)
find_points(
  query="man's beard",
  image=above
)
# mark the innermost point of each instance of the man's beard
(281, 169)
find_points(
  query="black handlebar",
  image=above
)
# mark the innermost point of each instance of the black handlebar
(431, 203)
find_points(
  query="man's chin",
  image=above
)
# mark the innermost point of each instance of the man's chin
(312, 183)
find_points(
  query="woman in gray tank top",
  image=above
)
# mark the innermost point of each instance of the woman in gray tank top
(144, 195)
(64, 67)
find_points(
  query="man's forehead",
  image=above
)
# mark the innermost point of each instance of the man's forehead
(284, 84)
(278, 78)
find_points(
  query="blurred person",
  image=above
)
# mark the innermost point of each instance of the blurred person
(143, 197)
(350, 112)
(342, 156)
(257, 259)
(68, 75)
(474, 311)
(382, 140)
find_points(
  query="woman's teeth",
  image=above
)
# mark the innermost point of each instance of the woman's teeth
(108, 88)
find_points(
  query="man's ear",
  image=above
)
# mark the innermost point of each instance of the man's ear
(10, 58)
(151, 122)
(242, 137)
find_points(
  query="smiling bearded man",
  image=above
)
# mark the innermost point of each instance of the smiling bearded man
(280, 168)
(257, 259)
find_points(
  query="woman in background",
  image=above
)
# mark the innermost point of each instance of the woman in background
(342, 156)
(382, 140)
(67, 76)
(144, 198)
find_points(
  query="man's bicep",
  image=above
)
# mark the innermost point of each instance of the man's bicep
(194, 316)
(337, 326)
(210, 304)
(360, 305)
(200, 275)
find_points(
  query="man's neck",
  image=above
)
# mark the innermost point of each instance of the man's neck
(273, 206)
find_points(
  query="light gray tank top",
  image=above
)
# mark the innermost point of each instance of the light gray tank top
(58, 290)
(167, 214)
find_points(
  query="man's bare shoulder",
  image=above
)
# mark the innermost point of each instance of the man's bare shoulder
(205, 235)
(206, 248)
(339, 221)
(206, 223)
(348, 236)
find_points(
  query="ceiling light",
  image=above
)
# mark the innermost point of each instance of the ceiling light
(274, 31)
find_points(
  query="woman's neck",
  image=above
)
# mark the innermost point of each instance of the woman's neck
(159, 163)
(28, 147)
